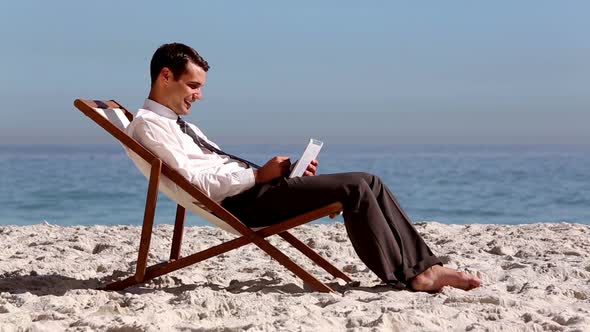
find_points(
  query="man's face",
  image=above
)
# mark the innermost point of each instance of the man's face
(181, 93)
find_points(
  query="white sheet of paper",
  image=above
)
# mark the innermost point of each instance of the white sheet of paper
(311, 152)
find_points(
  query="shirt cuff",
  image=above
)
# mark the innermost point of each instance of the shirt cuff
(246, 177)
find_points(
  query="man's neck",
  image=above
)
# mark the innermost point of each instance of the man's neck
(153, 96)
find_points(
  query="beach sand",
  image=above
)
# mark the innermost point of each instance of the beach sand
(535, 277)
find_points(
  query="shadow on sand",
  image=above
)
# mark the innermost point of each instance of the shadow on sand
(58, 285)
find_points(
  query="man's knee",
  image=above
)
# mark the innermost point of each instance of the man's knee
(359, 194)
(361, 183)
(370, 179)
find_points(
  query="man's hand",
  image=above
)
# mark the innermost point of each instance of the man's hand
(275, 168)
(311, 168)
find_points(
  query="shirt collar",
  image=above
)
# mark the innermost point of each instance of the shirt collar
(159, 109)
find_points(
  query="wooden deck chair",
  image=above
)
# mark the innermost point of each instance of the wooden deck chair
(114, 118)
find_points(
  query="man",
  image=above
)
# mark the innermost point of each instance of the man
(380, 231)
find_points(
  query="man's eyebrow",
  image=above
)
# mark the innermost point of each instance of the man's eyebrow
(195, 82)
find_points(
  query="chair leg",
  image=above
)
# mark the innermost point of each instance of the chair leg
(256, 238)
(178, 231)
(314, 256)
(167, 267)
(148, 220)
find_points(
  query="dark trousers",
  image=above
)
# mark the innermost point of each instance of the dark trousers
(380, 231)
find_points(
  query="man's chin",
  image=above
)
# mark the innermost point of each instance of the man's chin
(184, 110)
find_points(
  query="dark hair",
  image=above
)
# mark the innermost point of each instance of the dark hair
(175, 57)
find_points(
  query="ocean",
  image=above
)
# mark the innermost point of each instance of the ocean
(456, 184)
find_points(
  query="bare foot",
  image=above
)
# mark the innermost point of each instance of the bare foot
(436, 277)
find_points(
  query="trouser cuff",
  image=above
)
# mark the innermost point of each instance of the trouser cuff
(421, 266)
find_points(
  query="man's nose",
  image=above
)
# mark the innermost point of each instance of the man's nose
(197, 95)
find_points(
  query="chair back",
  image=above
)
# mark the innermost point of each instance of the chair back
(114, 118)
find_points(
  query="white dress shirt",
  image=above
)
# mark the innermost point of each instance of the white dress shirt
(218, 176)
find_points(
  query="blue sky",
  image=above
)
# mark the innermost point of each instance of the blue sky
(374, 72)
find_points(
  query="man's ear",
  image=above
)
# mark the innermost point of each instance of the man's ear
(166, 75)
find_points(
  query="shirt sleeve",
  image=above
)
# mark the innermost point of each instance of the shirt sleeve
(216, 180)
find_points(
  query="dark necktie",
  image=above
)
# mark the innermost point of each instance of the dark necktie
(204, 144)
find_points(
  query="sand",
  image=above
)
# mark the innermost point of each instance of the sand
(535, 277)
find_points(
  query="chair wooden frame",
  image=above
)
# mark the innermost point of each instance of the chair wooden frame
(144, 273)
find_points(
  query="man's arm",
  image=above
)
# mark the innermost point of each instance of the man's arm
(214, 180)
